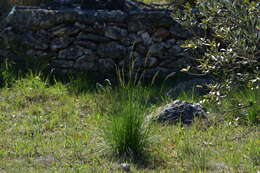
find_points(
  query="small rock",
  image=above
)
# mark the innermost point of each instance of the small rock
(41, 46)
(157, 39)
(127, 42)
(139, 62)
(176, 63)
(3, 53)
(180, 111)
(86, 65)
(60, 43)
(134, 38)
(135, 26)
(62, 31)
(180, 42)
(165, 57)
(115, 33)
(151, 62)
(113, 16)
(141, 49)
(156, 50)
(146, 62)
(161, 33)
(124, 166)
(170, 43)
(92, 37)
(179, 32)
(156, 71)
(111, 50)
(71, 53)
(62, 63)
(84, 28)
(88, 52)
(175, 50)
(147, 40)
(87, 57)
(106, 65)
(35, 41)
(169, 63)
(86, 44)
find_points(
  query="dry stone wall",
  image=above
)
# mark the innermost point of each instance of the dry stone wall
(72, 40)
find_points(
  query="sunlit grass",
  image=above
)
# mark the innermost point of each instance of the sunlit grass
(55, 127)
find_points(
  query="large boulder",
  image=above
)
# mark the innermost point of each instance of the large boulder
(180, 111)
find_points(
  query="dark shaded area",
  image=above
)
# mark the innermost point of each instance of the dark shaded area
(3, 8)
(87, 4)
(103, 4)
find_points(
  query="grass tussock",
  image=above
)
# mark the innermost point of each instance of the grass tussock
(127, 134)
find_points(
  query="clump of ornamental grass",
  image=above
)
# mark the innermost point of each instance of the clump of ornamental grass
(127, 133)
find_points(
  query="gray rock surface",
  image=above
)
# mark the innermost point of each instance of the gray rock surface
(71, 53)
(60, 43)
(156, 49)
(71, 39)
(111, 50)
(93, 37)
(106, 65)
(86, 44)
(85, 65)
(180, 111)
(115, 33)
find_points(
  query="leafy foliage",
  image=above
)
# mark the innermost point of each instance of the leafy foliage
(229, 33)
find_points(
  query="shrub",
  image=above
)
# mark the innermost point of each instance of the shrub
(229, 34)
(243, 105)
